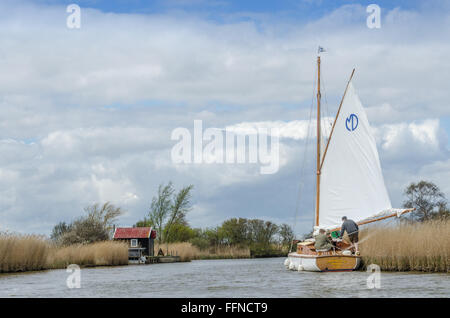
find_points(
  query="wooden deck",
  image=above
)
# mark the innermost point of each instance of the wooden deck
(307, 248)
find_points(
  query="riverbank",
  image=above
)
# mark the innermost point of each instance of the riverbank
(423, 247)
(188, 252)
(21, 253)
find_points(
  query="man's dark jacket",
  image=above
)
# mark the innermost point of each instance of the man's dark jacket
(350, 226)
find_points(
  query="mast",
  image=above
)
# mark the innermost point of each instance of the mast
(318, 143)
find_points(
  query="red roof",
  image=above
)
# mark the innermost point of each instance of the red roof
(132, 232)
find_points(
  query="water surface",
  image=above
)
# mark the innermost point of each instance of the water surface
(220, 278)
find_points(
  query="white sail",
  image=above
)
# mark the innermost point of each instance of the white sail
(351, 181)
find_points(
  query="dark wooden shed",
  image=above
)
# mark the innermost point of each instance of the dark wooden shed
(140, 240)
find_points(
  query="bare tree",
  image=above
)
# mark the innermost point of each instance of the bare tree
(96, 226)
(428, 200)
(85, 231)
(106, 214)
(286, 234)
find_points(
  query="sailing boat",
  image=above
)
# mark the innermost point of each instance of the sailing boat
(349, 182)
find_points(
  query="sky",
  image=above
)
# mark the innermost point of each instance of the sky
(87, 114)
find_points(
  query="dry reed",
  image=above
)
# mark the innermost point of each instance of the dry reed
(22, 253)
(96, 254)
(188, 252)
(19, 253)
(408, 247)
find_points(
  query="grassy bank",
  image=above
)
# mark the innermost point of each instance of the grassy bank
(408, 247)
(188, 252)
(28, 253)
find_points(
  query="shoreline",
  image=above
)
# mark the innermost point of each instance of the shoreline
(362, 267)
(408, 247)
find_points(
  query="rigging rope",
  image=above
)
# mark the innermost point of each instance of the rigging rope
(302, 168)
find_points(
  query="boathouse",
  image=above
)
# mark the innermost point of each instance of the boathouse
(140, 240)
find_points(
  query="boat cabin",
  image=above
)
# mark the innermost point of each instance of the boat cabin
(140, 240)
(307, 248)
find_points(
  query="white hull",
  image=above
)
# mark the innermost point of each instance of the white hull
(322, 263)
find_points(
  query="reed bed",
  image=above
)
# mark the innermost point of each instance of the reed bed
(97, 254)
(408, 247)
(188, 252)
(20, 253)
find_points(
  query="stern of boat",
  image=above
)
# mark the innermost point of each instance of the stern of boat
(322, 263)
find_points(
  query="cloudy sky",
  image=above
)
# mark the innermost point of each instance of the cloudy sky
(87, 114)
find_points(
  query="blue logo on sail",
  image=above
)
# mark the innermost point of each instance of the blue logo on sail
(351, 122)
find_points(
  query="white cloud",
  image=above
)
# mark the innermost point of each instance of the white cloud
(415, 142)
(295, 129)
(87, 114)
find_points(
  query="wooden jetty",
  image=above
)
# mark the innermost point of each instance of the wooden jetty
(155, 259)
(162, 259)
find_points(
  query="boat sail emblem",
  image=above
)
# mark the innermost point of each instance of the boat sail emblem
(351, 122)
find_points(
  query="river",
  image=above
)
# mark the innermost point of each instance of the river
(265, 277)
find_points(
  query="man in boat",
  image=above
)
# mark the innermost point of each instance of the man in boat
(352, 231)
(323, 243)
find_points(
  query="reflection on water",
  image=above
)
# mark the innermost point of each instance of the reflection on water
(220, 278)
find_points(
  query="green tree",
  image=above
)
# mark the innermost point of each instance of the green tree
(427, 199)
(214, 236)
(257, 235)
(256, 231)
(181, 204)
(235, 231)
(59, 230)
(269, 231)
(208, 238)
(261, 236)
(160, 208)
(180, 233)
(168, 210)
(286, 234)
(144, 223)
(200, 242)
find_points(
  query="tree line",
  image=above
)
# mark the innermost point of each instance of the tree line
(168, 212)
(169, 208)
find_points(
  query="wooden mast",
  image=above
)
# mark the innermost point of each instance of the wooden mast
(318, 143)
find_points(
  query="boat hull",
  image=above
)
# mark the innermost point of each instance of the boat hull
(323, 263)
